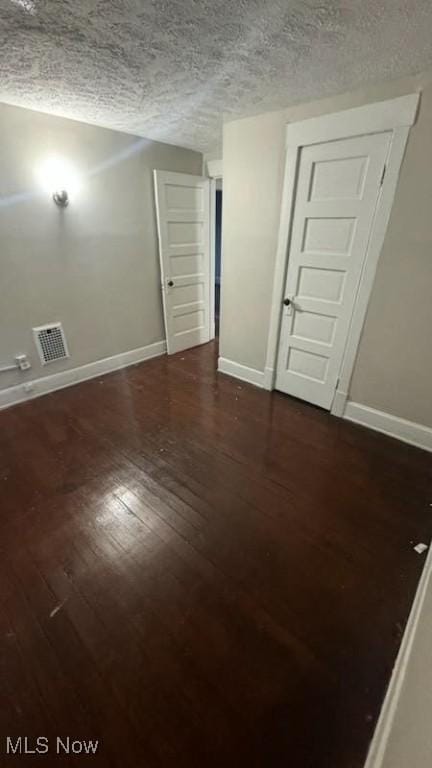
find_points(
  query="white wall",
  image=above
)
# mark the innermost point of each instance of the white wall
(393, 371)
(94, 266)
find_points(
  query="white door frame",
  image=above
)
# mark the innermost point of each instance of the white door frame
(395, 115)
(214, 172)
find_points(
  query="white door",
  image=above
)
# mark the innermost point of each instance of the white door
(336, 196)
(183, 217)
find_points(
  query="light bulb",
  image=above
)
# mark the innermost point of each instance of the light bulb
(55, 175)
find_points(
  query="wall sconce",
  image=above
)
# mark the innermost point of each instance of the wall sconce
(59, 178)
(61, 198)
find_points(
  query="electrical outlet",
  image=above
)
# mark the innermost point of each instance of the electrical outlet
(22, 362)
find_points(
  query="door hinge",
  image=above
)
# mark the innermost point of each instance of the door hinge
(337, 382)
(383, 175)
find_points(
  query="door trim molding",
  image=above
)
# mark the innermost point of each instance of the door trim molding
(395, 115)
(215, 169)
(408, 431)
(369, 118)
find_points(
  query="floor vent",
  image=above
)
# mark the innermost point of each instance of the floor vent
(51, 343)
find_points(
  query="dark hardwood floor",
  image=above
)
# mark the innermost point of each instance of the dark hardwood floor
(199, 573)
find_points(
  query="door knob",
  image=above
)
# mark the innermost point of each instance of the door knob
(170, 283)
(287, 302)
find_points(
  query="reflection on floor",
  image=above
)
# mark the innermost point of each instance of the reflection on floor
(199, 573)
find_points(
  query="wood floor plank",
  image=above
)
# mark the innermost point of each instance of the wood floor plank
(197, 572)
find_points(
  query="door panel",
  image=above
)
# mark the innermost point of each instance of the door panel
(314, 326)
(337, 191)
(184, 234)
(338, 179)
(331, 235)
(183, 215)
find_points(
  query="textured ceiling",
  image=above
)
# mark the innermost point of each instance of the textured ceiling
(170, 69)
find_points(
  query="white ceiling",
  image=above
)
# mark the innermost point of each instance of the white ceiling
(171, 69)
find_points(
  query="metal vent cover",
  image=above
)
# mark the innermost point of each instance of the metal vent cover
(50, 343)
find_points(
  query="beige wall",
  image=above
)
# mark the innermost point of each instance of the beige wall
(393, 371)
(93, 266)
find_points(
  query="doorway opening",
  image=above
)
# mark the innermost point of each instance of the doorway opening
(218, 252)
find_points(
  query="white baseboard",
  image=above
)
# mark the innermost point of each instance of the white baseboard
(383, 728)
(242, 372)
(43, 386)
(408, 431)
(339, 403)
(269, 378)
